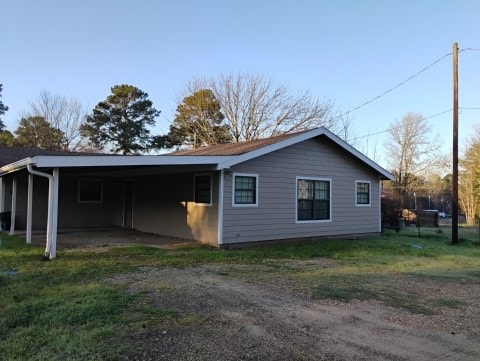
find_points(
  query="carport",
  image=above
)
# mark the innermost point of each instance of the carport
(40, 182)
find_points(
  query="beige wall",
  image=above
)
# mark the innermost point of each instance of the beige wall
(164, 204)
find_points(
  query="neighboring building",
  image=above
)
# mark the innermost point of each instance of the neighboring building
(300, 185)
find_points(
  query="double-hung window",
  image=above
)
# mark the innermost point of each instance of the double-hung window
(245, 188)
(203, 189)
(362, 193)
(313, 199)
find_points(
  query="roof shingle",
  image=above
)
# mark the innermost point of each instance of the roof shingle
(235, 148)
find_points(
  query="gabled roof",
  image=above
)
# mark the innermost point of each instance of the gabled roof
(235, 148)
(221, 156)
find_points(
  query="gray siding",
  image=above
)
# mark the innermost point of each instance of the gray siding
(164, 204)
(275, 216)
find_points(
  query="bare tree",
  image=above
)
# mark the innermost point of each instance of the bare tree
(256, 107)
(62, 113)
(411, 151)
(469, 180)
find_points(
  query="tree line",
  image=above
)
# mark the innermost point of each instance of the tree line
(230, 108)
(242, 107)
(422, 178)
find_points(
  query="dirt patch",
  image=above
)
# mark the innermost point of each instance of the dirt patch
(233, 318)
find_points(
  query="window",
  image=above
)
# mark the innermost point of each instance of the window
(90, 191)
(245, 190)
(203, 189)
(362, 193)
(313, 199)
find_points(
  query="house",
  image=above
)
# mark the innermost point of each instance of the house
(299, 185)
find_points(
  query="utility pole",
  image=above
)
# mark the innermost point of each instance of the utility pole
(455, 147)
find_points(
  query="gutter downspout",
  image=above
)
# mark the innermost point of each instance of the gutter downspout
(51, 244)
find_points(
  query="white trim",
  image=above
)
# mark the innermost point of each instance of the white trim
(15, 166)
(379, 205)
(220, 207)
(209, 204)
(124, 160)
(369, 193)
(329, 203)
(28, 237)
(52, 252)
(89, 180)
(252, 175)
(53, 180)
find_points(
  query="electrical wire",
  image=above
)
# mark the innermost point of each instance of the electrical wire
(402, 83)
(396, 86)
(401, 126)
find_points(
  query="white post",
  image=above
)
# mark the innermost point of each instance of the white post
(51, 243)
(54, 213)
(29, 209)
(14, 206)
(49, 217)
(221, 182)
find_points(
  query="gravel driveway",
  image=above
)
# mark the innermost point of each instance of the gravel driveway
(224, 317)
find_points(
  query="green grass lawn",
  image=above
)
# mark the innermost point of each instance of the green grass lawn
(66, 309)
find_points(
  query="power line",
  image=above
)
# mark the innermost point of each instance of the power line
(403, 82)
(396, 86)
(401, 126)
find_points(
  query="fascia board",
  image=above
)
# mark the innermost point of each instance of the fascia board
(15, 166)
(45, 161)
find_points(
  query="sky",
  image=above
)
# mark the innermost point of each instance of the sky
(346, 51)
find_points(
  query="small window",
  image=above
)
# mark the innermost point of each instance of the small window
(362, 193)
(90, 191)
(203, 189)
(313, 200)
(245, 190)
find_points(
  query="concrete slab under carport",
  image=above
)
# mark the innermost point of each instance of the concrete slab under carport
(108, 237)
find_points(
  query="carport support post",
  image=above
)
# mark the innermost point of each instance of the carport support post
(14, 206)
(53, 212)
(51, 246)
(29, 208)
(52, 216)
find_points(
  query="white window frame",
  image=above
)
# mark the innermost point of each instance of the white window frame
(369, 194)
(209, 204)
(256, 190)
(79, 190)
(330, 199)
